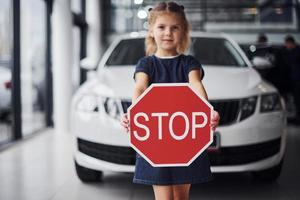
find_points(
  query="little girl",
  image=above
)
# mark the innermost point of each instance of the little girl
(166, 41)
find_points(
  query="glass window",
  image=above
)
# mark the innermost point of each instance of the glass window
(76, 6)
(209, 51)
(5, 71)
(127, 16)
(76, 58)
(33, 64)
(127, 52)
(216, 51)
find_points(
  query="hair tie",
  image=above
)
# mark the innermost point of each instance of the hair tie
(182, 7)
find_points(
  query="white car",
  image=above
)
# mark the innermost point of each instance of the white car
(251, 136)
(5, 90)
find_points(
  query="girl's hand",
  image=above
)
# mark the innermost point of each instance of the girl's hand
(125, 122)
(215, 119)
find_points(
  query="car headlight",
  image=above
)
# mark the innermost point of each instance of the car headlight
(270, 102)
(93, 103)
(248, 106)
(87, 103)
(112, 107)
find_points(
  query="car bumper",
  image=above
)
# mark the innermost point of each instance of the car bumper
(108, 158)
(250, 145)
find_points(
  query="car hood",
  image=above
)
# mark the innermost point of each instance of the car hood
(219, 82)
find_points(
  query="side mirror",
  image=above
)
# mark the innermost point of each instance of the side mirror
(89, 63)
(261, 63)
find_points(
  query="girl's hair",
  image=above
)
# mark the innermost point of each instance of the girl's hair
(163, 8)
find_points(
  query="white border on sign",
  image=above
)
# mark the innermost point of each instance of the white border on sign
(171, 85)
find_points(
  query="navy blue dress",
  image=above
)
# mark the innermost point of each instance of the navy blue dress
(170, 70)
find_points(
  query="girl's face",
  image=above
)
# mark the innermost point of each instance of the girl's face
(167, 33)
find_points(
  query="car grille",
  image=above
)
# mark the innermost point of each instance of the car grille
(125, 105)
(228, 110)
(244, 154)
(224, 156)
(109, 153)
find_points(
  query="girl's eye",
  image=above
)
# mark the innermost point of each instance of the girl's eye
(175, 28)
(161, 27)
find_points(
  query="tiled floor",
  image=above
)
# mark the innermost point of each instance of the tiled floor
(41, 168)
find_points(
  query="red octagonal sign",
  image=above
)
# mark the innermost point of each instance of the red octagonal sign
(170, 125)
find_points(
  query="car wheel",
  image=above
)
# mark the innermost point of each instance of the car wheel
(88, 175)
(6, 117)
(270, 174)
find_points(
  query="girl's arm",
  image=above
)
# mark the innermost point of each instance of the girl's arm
(196, 83)
(141, 84)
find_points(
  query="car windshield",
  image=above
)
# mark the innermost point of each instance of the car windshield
(209, 51)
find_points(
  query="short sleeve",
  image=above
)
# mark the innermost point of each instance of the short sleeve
(193, 64)
(143, 65)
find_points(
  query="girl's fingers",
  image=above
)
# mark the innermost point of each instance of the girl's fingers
(215, 116)
(126, 130)
(124, 118)
(213, 126)
(214, 120)
(125, 122)
(125, 125)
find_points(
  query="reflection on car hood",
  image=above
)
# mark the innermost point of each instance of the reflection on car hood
(220, 82)
(118, 79)
(232, 82)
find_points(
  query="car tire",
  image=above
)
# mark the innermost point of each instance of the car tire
(270, 174)
(6, 117)
(88, 175)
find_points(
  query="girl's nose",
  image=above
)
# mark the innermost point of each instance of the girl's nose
(168, 31)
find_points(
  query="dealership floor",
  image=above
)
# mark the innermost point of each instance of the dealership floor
(41, 168)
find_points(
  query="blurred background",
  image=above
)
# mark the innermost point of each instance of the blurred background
(244, 20)
(29, 40)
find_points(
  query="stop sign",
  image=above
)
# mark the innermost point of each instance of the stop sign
(170, 124)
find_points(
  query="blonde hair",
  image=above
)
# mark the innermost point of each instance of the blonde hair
(167, 8)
